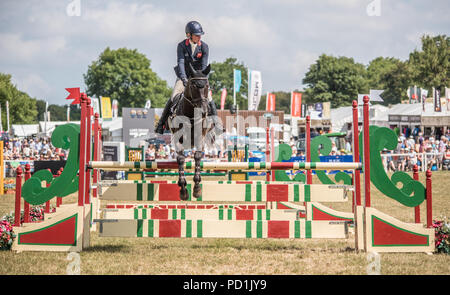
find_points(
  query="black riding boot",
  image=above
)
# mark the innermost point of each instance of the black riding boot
(212, 107)
(164, 117)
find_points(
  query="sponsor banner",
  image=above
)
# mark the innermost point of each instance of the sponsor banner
(106, 108)
(296, 104)
(255, 90)
(270, 102)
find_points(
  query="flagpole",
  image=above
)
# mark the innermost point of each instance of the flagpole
(234, 105)
(7, 116)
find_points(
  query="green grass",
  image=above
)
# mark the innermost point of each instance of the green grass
(239, 256)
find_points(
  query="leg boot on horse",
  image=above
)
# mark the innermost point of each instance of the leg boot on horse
(165, 115)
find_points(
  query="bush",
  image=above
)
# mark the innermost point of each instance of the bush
(7, 235)
(442, 235)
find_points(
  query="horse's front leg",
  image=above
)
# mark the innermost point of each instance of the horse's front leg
(181, 178)
(197, 174)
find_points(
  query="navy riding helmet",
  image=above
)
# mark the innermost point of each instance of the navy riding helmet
(194, 28)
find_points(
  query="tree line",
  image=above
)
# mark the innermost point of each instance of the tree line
(126, 75)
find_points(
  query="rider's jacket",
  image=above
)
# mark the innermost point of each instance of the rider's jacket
(198, 58)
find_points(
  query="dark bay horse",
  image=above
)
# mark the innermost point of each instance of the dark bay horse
(189, 127)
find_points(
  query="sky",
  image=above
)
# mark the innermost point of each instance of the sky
(48, 45)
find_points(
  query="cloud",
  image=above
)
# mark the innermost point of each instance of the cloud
(33, 84)
(14, 48)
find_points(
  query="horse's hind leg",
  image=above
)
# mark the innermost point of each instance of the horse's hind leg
(181, 178)
(197, 176)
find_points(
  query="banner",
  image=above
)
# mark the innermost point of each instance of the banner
(255, 90)
(303, 110)
(237, 80)
(95, 105)
(106, 108)
(7, 114)
(115, 108)
(296, 104)
(423, 97)
(437, 101)
(447, 97)
(223, 97)
(317, 111)
(270, 102)
(326, 112)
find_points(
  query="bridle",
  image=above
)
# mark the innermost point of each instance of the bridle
(188, 92)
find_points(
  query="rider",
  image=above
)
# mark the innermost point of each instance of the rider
(191, 50)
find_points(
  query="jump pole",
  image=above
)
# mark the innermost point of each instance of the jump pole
(18, 196)
(417, 208)
(96, 152)
(357, 173)
(429, 194)
(88, 146)
(58, 199)
(26, 205)
(272, 150)
(83, 138)
(265, 166)
(267, 151)
(366, 151)
(308, 148)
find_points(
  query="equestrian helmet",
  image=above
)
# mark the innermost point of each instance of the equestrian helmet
(194, 28)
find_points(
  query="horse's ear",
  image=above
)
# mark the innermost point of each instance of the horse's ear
(207, 70)
(193, 71)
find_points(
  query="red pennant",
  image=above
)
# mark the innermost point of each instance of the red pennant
(74, 94)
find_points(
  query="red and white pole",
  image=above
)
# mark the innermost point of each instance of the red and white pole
(356, 156)
(18, 196)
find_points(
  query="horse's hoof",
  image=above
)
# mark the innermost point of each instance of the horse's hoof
(197, 192)
(184, 194)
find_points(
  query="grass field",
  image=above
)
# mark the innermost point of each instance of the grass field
(194, 256)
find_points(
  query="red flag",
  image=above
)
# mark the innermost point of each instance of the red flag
(223, 96)
(296, 104)
(270, 102)
(74, 94)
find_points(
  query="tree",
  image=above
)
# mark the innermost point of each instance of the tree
(22, 108)
(125, 75)
(282, 102)
(335, 79)
(431, 66)
(392, 75)
(222, 77)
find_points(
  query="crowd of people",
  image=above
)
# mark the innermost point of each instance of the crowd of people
(425, 151)
(32, 149)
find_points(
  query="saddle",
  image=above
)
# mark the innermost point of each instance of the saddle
(177, 100)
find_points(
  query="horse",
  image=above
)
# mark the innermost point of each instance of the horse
(188, 118)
